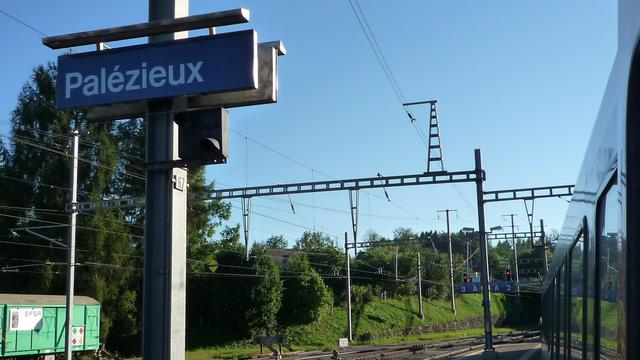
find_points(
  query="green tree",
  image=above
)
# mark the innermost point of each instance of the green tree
(305, 295)
(276, 242)
(266, 298)
(204, 218)
(323, 255)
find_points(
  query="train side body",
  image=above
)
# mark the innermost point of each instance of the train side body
(590, 297)
(35, 324)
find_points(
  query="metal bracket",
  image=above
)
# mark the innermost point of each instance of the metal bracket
(106, 204)
(530, 216)
(246, 223)
(354, 200)
(348, 184)
(517, 235)
(165, 165)
(158, 27)
(528, 193)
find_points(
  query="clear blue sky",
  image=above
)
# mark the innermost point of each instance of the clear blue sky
(521, 80)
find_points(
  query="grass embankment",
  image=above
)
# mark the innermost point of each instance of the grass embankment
(387, 321)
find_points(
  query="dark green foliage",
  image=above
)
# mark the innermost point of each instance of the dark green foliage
(305, 295)
(276, 242)
(266, 298)
(204, 217)
(361, 295)
(323, 257)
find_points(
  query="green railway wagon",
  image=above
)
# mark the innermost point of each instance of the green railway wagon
(33, 326)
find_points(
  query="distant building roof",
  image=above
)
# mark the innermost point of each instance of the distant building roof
(32, 299)
(281, 256)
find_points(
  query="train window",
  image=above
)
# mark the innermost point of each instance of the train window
(590, 298)
(576, 276)
(562, 312)
(552, 322)
(556, 318)
(546, 319)
(609, 251)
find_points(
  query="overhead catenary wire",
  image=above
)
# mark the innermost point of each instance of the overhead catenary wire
(22, 22)
(62, 150)
(22, 208)
(54, 212)
(94, 263)
(283, 273)
(35, 144)
(87, 142)
(326, 175)
(59, 223)
(393, 81)
(284, 221)
(384, 64)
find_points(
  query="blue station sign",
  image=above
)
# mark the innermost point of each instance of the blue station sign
(495, 287)
(503, 286)
(201, 65)
(470, 288)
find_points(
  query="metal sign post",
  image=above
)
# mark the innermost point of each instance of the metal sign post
(71, 249)
(165, 272)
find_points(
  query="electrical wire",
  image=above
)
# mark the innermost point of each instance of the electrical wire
(54, 212)
(300, 163)
(22, 22)
(77, 226)
(42, 147)
(384, 64)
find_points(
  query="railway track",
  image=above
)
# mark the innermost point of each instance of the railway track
(430, 351)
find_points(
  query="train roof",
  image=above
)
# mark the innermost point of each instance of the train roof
(33, 299)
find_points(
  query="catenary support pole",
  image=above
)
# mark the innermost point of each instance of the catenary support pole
(514, 244)
(544, 247)
(71, 249)
(348, 266)
(354, 202)
(395, 264)
(466, 262)
(484, 259)
(453, 294)
(164, 282)
(246, 224)
(530, 218)
(419, 270)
